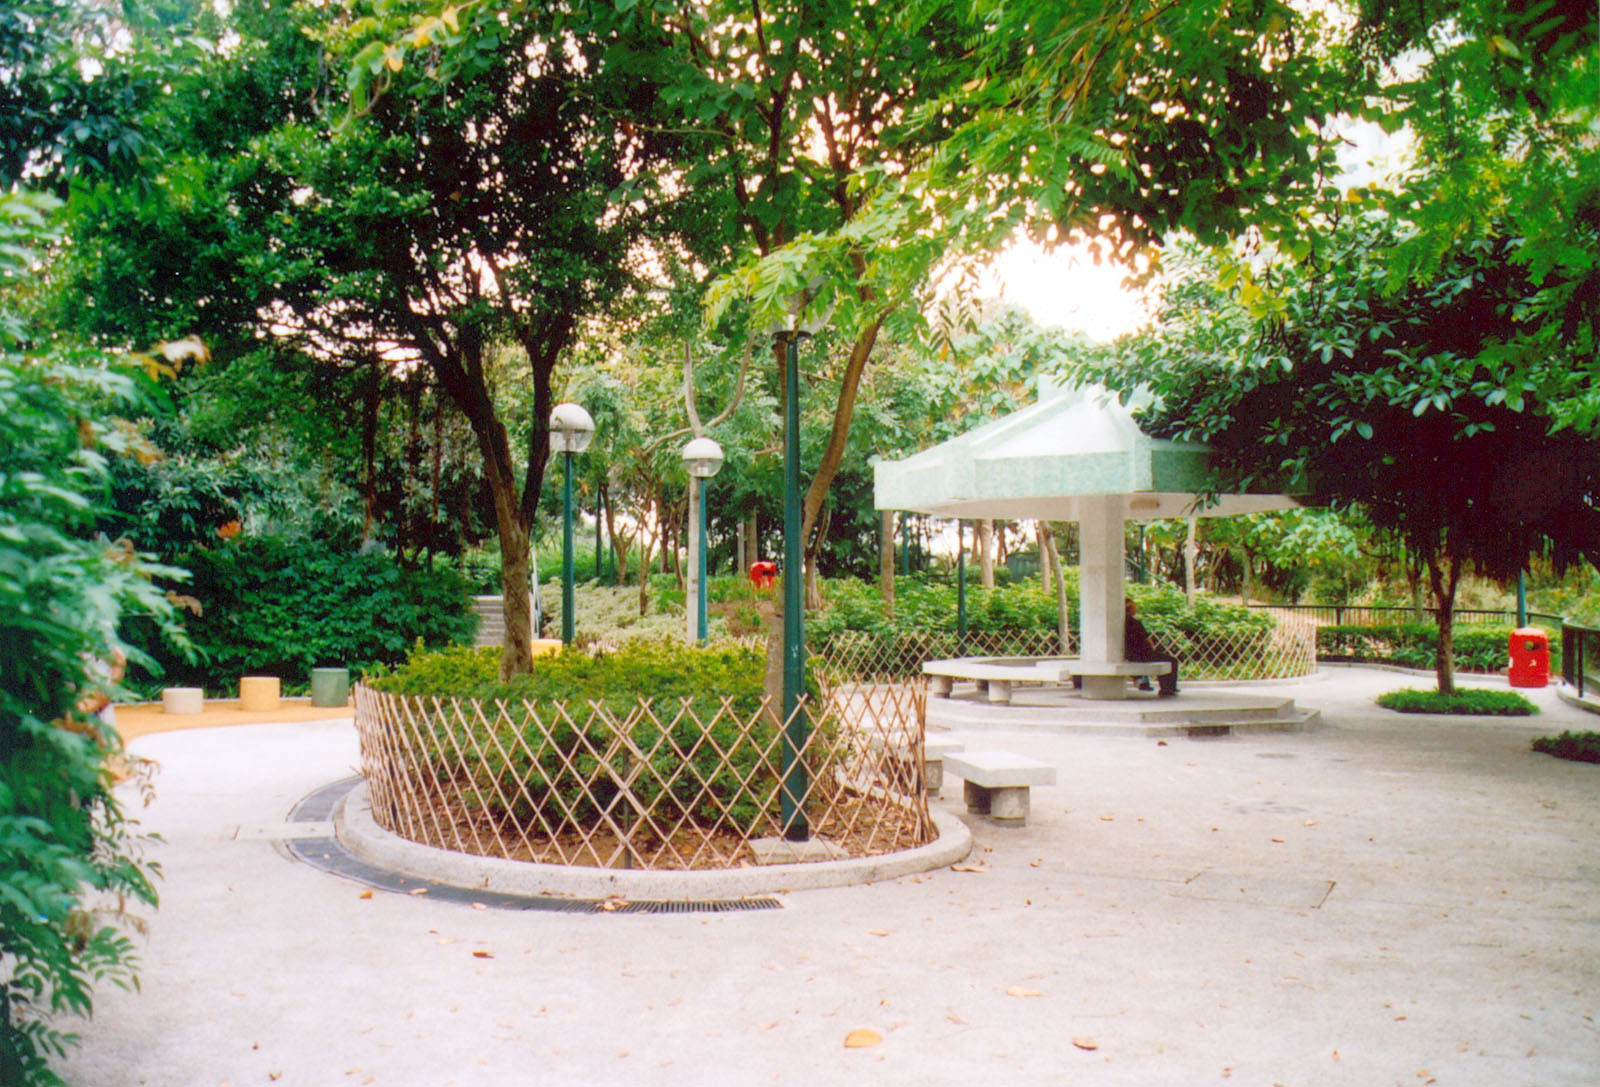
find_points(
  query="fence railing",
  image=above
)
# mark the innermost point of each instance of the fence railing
(1377, 615)
(1580, 657)
(1285, 648)
(651, 785)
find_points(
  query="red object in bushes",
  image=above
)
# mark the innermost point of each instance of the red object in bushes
(763, 574)
(1530, 657)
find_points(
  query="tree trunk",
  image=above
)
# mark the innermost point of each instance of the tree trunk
(1443, 580)
(886, 560)
(985, 546)
(1063, 612)
(369, 450)
(1047, 571)
(1191, 551)
(838, 437)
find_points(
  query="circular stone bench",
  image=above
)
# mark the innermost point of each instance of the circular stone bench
(1103, 679)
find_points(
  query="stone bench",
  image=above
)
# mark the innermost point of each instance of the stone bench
(996, 675)
(899, 761)
(1108, 679)
(997, 783)
(993, 674)
(933, 756)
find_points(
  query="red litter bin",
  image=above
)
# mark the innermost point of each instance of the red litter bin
(1530, 657)
(763, 574)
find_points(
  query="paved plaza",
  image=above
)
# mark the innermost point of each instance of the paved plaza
(1386, 900)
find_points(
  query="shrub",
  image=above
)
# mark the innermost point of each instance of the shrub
(1577, 746)
(280, 606)
(1478, 647)
(1472, 700)
(64, 840)
(554, 768)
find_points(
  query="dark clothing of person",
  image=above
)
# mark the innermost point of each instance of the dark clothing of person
(1137, 646)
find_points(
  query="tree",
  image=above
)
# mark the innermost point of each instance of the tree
(502, 208)
(65, 840)
(1375, 389)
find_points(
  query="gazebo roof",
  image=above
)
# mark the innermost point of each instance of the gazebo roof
(1038, 463)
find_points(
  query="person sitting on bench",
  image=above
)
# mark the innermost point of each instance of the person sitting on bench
(1137, 646)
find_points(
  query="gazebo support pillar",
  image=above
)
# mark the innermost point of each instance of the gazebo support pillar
(1100, 592)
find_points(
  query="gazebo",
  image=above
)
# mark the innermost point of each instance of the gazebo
(1076, 455)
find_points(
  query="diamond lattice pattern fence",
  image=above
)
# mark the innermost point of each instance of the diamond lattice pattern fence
(652, 785)
(1262, 647)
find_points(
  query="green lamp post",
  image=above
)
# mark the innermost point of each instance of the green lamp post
(703, 458)
(571, 431)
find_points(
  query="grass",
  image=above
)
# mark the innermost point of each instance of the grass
(1475, 701)
(1577, 746)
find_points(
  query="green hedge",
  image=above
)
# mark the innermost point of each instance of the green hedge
(1474, 701)
(272, 605)
(728, 766)
(1478, 647)
(1577, 746)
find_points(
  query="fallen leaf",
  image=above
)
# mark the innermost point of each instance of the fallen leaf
(957, 1020)
(1335, 1056)
(1108, 818)
(274, 1076)
(862, 1038)
(1017, 990)
(364, 894)
(1083, 1041)
(418, 891)
(968, 868)
(443, 940)
(1035, 864)
(483, 954)
(1311, 822)
(613, 904)
(1278, 841)
(1161, 743)
(877, 932)
(479, 906)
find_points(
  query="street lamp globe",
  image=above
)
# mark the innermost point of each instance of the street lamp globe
(571, 429)
(703, 458)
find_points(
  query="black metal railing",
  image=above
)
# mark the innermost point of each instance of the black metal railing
(1580, 657)
(1362, 615)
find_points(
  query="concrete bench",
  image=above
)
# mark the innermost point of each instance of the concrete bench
(933, 755)
(997, 783)
(1107, 679)
(995, 675)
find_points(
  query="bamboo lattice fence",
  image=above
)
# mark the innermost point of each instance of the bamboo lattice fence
(648, 785)
(1267, 647)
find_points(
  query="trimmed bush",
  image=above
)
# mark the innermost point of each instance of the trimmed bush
(556, 758)
(1474, 701)
(1478, 647)
(272, 605)
(1577, 746)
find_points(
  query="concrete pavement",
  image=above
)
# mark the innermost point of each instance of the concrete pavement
(1387, 900)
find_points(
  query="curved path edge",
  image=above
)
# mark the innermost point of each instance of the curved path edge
(360, 833)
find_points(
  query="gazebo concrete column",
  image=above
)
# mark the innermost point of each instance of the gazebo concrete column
(1100, 591)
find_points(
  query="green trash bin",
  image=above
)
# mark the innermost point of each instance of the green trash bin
(330, 686)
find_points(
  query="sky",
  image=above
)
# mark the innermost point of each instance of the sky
(1065, 289)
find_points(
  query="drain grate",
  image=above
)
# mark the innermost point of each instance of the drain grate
(326, 854)
(725, 905)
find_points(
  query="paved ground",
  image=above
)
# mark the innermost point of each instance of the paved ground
(1388, 900)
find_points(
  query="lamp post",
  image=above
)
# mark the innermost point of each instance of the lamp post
(795, 785)
(961, 588)
(703, 458)
(571, 431)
